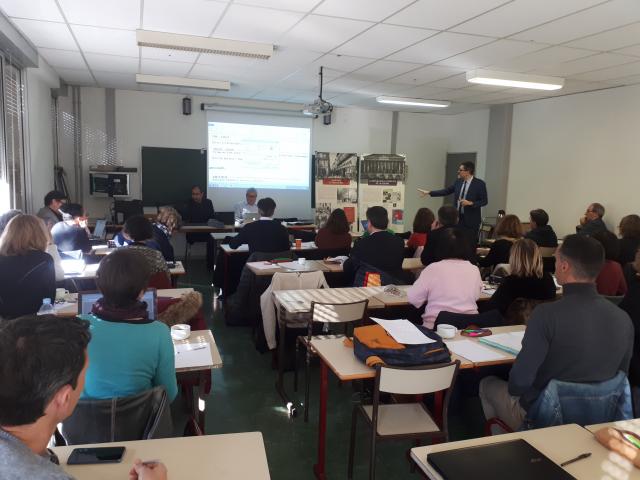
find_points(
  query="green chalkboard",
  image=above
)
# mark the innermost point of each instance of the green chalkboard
(169, 173)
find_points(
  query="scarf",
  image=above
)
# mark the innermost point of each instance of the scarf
(137, 313)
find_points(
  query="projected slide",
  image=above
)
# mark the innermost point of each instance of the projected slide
(261, 156)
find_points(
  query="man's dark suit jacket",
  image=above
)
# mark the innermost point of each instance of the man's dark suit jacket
(591, 227)
(263, 236)
(432, 250)
(194, 212)
(477, 193)
(382, 250)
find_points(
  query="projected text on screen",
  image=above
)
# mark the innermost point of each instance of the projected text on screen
(242, 156)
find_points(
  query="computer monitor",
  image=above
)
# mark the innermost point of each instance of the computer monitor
(100, 229)
(88, 298)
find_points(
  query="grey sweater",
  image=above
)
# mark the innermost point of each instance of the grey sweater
(581, 338)
(18, 462)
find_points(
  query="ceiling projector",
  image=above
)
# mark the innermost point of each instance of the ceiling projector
(319, 106)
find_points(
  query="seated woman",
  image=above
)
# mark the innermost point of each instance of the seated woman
(167, 221)
(452, 284)
(336, 233)
(611, 280)
(508, 230)
(631, 270)
(527, 279)
(27, 274)
(421, 227)
(630, 238)
(139, 231)
(129, 352)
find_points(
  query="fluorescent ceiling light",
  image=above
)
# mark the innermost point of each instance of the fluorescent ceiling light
(413, 102)
(191, 43)
(183, 82)
(517, 80)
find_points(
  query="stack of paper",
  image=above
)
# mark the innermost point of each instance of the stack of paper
(509, 342)
(473, 351)
(403, 331)
(191, 355)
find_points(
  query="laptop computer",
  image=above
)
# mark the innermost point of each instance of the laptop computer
(250, 217)
(86, 299)
(496, 461)
(227, 218)
(100, 230)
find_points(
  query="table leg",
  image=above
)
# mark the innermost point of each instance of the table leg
(318, 468)
(199, 401)
(291, 409)
(437, 407)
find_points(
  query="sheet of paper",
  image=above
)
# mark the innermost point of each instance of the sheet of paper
(403, 331)
(263, 265)
(511, 342)
(189, 355)
(474, 352)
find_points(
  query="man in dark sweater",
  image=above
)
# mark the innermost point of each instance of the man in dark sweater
(541, 232)
(592, 221)
(71, 234)
(581, 338)
(447, 219)
(380, 249)
(200, 210)
(264, 235)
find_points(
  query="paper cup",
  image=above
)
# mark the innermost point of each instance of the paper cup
(446, 331)
(180, 331)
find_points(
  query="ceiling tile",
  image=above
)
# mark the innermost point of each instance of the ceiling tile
(190, 17)
(439, 47)
(303, 96)
(122, 81)
(63, 58)
(343, 63)
(427, 74)
(158, 67)
(106, 40)
(322, 34)
(440, 15)
(610, 74)
(585, 64)
(210, 72)
(521, 15)
(349, 99)
(632, 80)
(255, 24)
(239, 91)
(491, 53)
(47, 34)
(588, 22)
(382, 88)
(427, 92)
(274, 94)
(112, 63)
(34, 9)
(541, 58)
(112, 14)
(76, 77)
(372, 10)
(382, 40)
(169, 55)
(611, 40)
(347, 83)
(456, 81)
(294, 5)
(383, 69)
(634, 50)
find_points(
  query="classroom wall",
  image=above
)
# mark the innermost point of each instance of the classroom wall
(39, 133)
(569, 151)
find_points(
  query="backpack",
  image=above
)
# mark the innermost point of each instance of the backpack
(373, 345)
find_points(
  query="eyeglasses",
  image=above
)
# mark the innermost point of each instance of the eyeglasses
(461, 170)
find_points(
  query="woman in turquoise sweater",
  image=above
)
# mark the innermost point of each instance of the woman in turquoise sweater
(129, 352)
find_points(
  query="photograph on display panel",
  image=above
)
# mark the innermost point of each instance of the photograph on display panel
(336, 165)
(383, 169)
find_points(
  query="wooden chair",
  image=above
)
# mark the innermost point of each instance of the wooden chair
(325, 314)
(404, 420)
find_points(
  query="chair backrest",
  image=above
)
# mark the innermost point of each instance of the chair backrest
(298, 280)
(502, 270)
(547, 252)
(418, 252)
(490, 318)
(338, 312)
(416, 380)
(561, 403)
(138, 417)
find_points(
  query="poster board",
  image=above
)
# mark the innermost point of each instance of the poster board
(382, 183)
(336, 186)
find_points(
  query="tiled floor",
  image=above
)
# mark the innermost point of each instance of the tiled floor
(244, 398)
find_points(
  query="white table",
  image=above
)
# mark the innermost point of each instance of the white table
(558, 443)
(236, 456)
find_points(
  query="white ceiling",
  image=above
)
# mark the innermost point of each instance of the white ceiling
(418, 48)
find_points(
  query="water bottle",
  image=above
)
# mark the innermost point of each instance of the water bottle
(46, 308)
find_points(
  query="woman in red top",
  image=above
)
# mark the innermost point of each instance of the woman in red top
(611, 280)
(421, 227)
(335, 234)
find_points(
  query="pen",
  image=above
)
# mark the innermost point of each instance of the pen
(579, 457)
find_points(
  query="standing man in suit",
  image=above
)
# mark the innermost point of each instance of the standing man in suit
(470, 194)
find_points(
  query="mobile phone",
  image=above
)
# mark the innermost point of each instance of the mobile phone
(86, 456)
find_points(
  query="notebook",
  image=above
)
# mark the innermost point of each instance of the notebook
(496, 461)
(508, 342)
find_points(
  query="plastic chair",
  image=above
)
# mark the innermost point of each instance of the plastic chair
(325, 314)
(404, 420)
(138, 417)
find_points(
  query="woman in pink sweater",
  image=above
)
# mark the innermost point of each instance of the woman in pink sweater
(452, 284)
